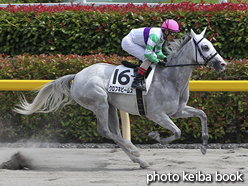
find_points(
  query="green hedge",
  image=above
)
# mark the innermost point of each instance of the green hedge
(82, 29)
(226, 111)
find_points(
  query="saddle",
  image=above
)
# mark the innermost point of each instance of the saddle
(136, 67)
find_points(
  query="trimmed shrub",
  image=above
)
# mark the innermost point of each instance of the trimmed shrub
(81, 29)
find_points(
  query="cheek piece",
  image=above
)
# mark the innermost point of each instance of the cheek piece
(206, 59)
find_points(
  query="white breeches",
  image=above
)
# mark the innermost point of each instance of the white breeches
(135, 50)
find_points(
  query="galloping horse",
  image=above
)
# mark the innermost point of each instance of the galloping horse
(167, 97)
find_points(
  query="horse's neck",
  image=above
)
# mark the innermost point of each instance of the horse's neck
(186, 55)
(182, 74)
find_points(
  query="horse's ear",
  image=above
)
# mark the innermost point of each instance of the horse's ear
(193, 34)
(203, 32)
(197, 37)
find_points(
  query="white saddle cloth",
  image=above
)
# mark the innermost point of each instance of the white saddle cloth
(122, 78)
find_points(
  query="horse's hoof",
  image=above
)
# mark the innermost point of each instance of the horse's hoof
(203, 150)
(135, 153)
(155, 135)
(144, 165)
(164, 141)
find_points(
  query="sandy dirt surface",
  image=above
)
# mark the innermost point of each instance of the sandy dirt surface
(111, 167)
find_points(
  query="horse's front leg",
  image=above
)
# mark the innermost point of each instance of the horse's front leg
(163, 120)
(193, 112)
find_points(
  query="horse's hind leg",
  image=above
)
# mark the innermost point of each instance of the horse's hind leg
(135, 159)
(112, 131)
(96, 100)
(113, 126)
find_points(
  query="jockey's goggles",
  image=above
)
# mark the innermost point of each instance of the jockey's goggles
(172, 33)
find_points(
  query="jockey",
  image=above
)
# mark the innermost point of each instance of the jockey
(141, 43)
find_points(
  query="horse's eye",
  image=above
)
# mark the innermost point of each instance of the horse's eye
(205, 48)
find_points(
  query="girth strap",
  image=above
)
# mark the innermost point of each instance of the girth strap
(140, 103)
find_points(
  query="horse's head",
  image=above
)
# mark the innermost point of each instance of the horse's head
(206, 54)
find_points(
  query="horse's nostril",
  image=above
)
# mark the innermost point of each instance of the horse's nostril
(223, 64)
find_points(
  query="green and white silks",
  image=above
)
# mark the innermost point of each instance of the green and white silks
(145, 43)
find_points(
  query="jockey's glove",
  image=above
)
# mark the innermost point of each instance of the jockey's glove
(165, 59)
(162, 63)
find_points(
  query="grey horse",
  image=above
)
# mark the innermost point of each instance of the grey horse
(167, 97)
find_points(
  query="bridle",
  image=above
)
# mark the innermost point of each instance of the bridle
(206, 59)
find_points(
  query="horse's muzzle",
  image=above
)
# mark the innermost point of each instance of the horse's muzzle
(223, 66)
(219, 66)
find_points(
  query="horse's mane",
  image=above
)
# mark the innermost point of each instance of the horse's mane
(174, 46)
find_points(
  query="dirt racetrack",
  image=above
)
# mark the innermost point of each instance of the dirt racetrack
(111, 167)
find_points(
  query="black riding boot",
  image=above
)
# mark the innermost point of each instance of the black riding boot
(137, 82)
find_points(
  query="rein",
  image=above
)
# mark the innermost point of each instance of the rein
(197, 64)
(182, 65)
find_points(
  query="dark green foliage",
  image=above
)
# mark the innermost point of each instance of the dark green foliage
(83, 29)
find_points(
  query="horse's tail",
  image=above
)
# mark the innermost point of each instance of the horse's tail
(51, 97)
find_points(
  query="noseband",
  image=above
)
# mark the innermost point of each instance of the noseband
(206, 60)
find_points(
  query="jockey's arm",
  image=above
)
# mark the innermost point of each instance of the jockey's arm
(158, 51)
(153, 42)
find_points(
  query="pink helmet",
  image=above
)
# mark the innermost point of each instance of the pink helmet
(171, 25)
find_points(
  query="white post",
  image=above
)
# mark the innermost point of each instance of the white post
(126, 131)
